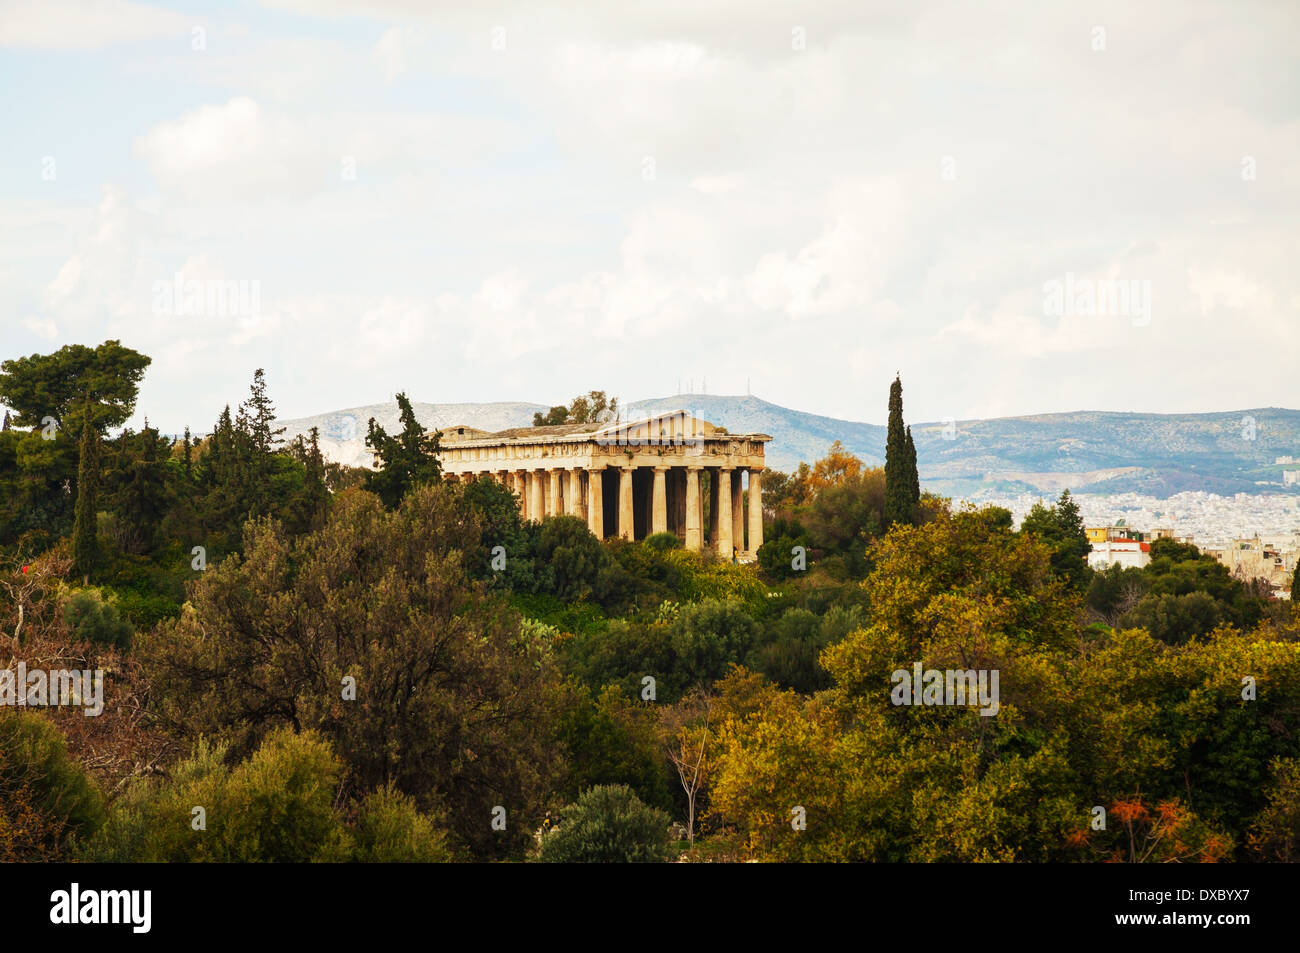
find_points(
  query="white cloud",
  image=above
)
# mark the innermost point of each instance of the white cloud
(500, 241)
(84, 24)
(240, 151)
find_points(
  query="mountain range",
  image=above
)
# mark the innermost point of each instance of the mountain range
(1086, 451)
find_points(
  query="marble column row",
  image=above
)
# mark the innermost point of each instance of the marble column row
(579, 491)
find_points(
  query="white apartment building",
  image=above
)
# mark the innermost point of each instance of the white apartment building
(1114, 552)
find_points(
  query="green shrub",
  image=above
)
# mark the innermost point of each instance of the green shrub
(710, 636)
(91, 618)
(661, 542)
(608, 825)
(278, 806)
(389, 830)
(46, 798)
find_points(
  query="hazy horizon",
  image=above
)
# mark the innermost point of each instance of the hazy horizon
(1022, 209)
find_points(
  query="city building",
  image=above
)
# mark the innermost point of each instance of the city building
(1271, 558)
(1117, 533)
(1120, 552)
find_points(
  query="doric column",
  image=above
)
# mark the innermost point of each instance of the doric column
(552, 492)
(596, 502)
(755, 510)
(713, 508)
(535, 510)
(626, 528)
(659, 519)
(724, 522)
(694, 537)
(680, 475)
(573, 505)
(737, 511)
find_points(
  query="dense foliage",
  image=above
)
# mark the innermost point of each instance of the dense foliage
(305, 662)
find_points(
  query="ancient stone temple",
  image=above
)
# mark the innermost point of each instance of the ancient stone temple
(630, 478)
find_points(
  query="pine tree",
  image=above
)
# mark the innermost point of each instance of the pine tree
(900, 465)
(317, 493)
(5, 428)
(189, 456)
(1061, 528)
(84, 548)
(138, 487)
(409, 459)
(259, 413)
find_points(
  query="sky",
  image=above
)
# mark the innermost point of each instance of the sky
(523, 200)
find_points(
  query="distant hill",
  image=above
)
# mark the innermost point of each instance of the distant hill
(1087, 451)
(343, 432)
(1155, 454)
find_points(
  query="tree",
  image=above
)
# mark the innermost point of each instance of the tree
(591, 408)
(914, 486)
(834, 469)
(46, 797)
(776, 555)
(85, 550)
(370, 631)
(902, 488)
(405, 461)
(711, 635)
(608, 825)
(844, 518)
(1174, 619)
(1115, 590)
(1164, 833)
(1061, 528)
(316, 493)
(260, 415)
(686, 727)
(137, 487)
(91, 618)
(781, 491)
(610, 739)
(74, 383)
(572, 556)
(30, 585)
(556, 415)
(278, 806)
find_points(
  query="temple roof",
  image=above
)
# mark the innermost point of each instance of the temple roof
(700, 427)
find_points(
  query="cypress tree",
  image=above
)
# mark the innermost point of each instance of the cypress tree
(900, 467)
(83, 527)
(914, 487)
